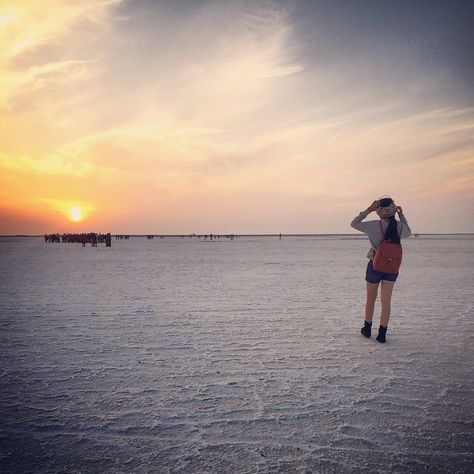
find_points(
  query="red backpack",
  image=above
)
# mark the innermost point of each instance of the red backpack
(388, 256)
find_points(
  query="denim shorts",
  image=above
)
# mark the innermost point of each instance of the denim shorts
(373, 276)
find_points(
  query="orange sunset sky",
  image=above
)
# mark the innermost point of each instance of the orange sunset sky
(234, 116)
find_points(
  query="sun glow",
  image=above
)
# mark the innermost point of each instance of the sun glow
(76, 214)
(74, 211)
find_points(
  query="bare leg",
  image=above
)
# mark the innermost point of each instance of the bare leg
(372, 289)
(386, 298)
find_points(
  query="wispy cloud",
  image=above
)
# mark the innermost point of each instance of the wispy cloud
(28, 27)
(182, 112)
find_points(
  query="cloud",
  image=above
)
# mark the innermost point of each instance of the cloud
(151, 111)
(37, 78)
(33, 25)
(52, 164)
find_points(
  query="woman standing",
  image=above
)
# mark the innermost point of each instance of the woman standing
(387, 228)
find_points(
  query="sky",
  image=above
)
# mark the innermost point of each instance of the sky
(174, 117)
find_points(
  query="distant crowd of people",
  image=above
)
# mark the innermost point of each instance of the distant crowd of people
(92, 238)
(212, 236)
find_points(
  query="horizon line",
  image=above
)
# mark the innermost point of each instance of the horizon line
(194, 235)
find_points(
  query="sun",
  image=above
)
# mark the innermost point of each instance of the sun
(76, 214)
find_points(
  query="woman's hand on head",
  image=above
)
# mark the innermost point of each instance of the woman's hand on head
(399, 211)
(373, 206)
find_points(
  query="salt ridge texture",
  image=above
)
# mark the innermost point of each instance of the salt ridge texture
(178, 355)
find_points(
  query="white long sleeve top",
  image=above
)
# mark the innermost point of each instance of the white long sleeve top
(372, 229)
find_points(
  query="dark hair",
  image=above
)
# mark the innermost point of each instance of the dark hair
(384, 202)
(391, 234)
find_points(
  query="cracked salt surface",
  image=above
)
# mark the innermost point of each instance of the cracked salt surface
(243, 356)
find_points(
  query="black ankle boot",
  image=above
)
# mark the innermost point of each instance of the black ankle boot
(366, 330)
(382, 333)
